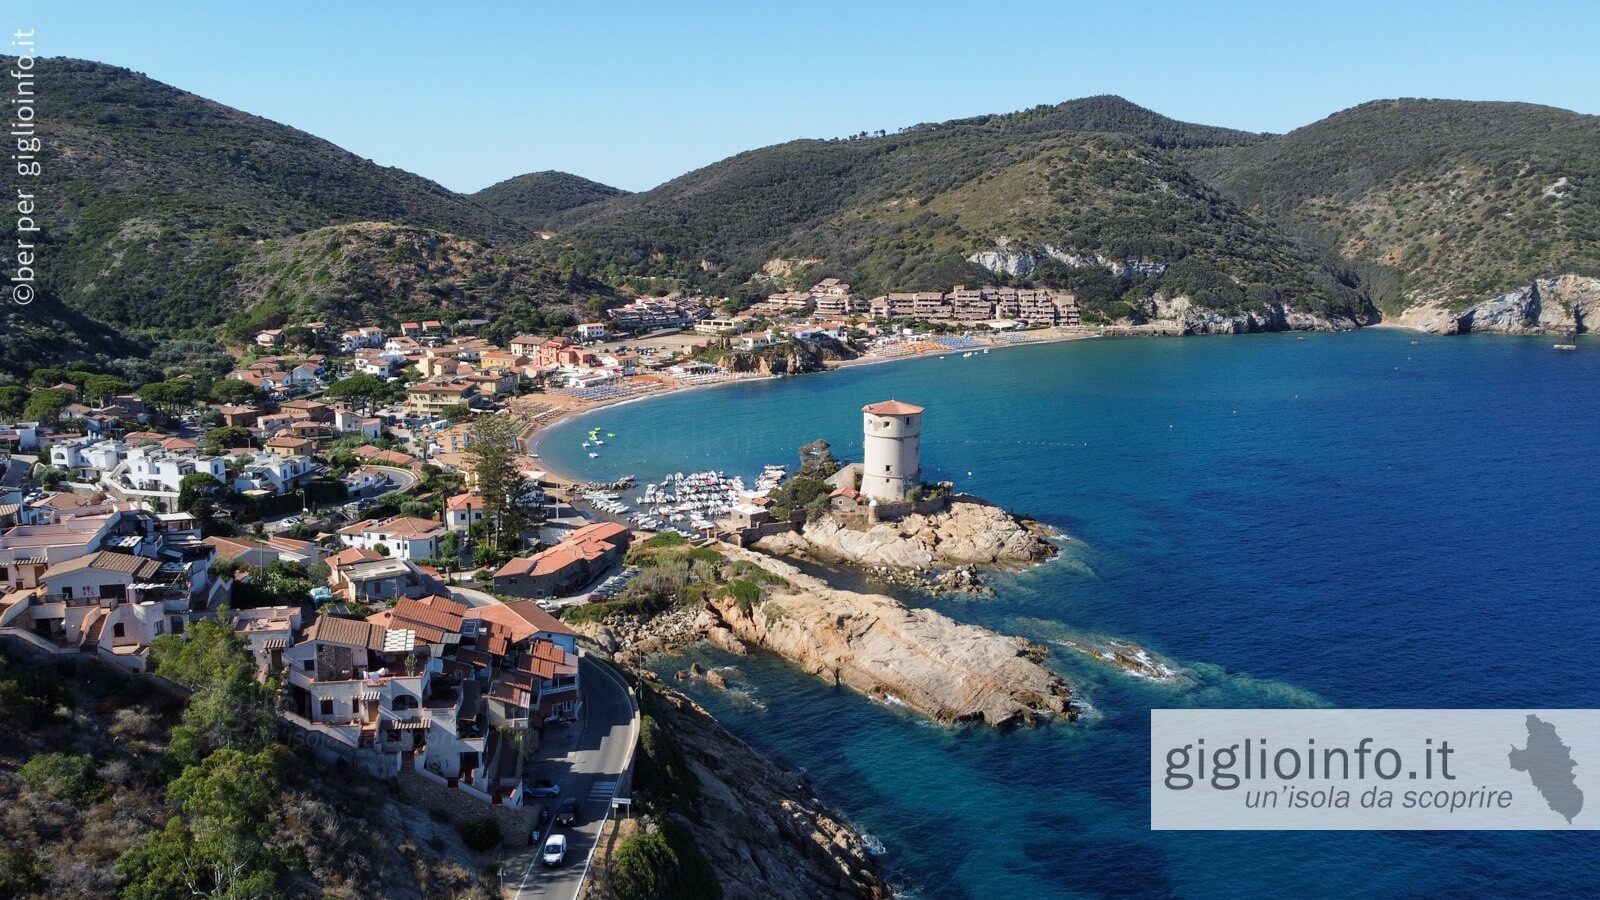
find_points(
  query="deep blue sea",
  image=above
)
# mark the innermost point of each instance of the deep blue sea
(1335, 519)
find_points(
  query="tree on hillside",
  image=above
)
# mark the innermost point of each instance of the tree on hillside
(171, 397)
(12, 399)
(197, 494)
(100, 388)
(228, 708)
(227, 436)
(362, 392)
(494, 462)
(45, 405)
(218, 843)
(233, 392)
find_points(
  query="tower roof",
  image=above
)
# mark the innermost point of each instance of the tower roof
(892, 408)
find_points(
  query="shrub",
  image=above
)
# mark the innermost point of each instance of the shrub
(666, 539)
(746, 593)
(481, 835)
(64, 776)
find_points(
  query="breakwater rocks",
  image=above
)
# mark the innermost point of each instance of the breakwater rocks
(970, 532)
(948, 671)
(761, 827)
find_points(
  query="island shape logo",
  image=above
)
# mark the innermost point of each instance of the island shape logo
(1549, 764)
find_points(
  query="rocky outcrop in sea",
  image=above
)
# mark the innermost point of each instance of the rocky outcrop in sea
(946, 670)
(969, 533)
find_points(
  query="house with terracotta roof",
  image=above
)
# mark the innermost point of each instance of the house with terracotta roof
(405, 537)
(289, 445)
(112, 603)
(463, 511)
(567, 566)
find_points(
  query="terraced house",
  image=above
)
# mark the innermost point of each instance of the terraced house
(431, 689)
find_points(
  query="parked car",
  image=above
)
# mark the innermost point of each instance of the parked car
(555, 850)
(567, 812)
(544, 787)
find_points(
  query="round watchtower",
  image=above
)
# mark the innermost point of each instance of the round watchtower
(892, 443)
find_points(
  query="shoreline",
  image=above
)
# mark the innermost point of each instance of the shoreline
(561, 479)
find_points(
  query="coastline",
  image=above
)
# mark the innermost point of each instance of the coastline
(564, 479)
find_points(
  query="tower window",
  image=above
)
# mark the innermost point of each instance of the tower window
(887, 469)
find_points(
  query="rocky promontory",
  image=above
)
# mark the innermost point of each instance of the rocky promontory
(870, 643)
(761, 827)
(1565, 304)
(969, 532)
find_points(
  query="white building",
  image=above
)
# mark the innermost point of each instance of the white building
(405, 537)
(891, 454)
(157, 473)
(278, 474)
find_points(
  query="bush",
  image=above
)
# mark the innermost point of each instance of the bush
(666, 539)
(21, 873)
(481, 835)
(64, 776)
(746, 593)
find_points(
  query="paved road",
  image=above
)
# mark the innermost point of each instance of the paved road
(471, 596)
(599, 746)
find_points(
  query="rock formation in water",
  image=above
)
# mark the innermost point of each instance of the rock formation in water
(969, 533)
(870, 643)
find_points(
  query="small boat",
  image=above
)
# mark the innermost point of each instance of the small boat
(593, 455)
(1415, 343)
(611, 434)
(586, 443)
(967, 355)
(1565, 346)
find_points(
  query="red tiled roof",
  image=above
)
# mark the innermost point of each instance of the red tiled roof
(892, 408)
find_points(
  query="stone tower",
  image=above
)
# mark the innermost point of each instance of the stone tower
(892, 439)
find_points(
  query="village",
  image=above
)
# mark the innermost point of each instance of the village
(324, 502)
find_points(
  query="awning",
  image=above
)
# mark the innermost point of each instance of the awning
(276, 643)
(371, 694)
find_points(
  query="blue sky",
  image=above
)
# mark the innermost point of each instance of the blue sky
(635, 93)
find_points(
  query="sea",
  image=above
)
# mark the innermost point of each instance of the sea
(1372, 519)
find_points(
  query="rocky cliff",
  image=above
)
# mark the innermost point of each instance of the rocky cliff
(792, 358)
(1181, 315)
(761, 827)
(970, 532)
(1560, 305)
(872, 644)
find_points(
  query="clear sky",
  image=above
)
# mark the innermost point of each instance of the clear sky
(635, 93)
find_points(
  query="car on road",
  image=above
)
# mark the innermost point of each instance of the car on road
(555, 850)
(567, 812)
(544, 787)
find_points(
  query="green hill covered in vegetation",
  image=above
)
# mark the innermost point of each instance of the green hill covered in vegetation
(1441, 201)
(1077, 192)
(535, 198)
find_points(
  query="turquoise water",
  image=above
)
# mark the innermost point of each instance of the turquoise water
(1343, 519)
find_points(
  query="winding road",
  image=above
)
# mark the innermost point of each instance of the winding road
(595, 768)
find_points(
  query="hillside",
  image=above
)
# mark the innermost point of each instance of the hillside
(157, 195)
(1444, 203)
(89, 777)
(535, 198)
(1046, 195)
(377, 271)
